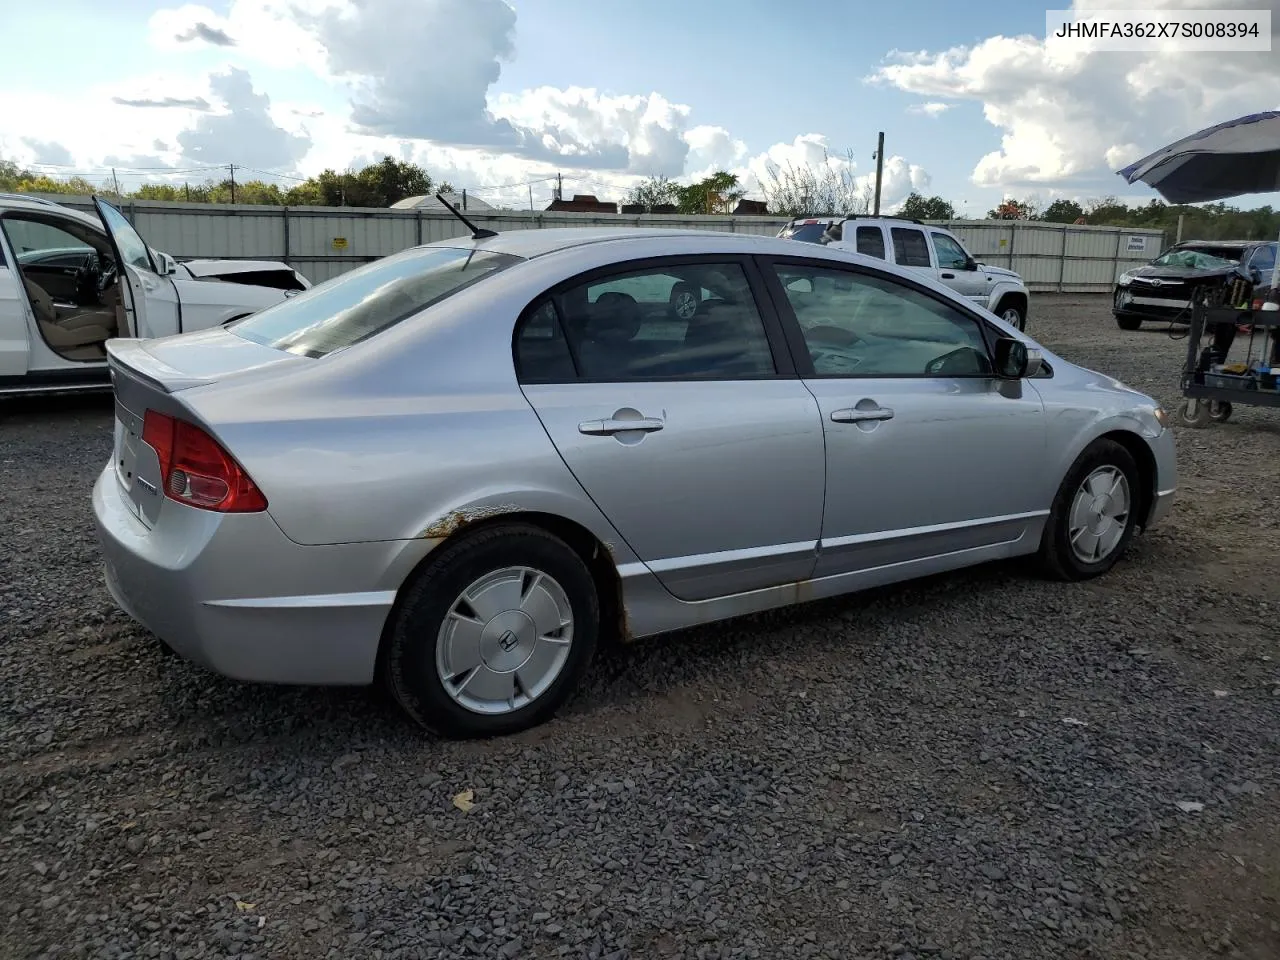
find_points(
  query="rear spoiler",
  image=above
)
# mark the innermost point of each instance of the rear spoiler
(129, 356)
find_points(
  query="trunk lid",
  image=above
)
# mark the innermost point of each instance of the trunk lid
(152, 375)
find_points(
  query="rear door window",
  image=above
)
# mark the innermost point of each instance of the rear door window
(871, 242)
(910, 248)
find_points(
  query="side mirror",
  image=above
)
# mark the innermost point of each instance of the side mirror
(1015, 360)
(971, 264)
(166, 266)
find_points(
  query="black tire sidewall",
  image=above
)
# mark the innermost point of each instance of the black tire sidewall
(1128, 323)
(1057, 545)
(409, 664)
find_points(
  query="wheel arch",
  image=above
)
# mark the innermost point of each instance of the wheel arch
(1012, 296)
(597, 554)
(1145, 460)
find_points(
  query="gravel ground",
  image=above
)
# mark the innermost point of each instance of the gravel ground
(980, 766)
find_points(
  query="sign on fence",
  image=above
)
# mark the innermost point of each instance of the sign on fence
(339, 243)
(1134, 244)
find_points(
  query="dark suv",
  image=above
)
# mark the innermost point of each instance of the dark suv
(1162, 289)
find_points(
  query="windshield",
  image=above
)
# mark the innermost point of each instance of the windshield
(1200, 258)
(356, 305)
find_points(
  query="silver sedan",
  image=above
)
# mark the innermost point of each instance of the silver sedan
(457, 469)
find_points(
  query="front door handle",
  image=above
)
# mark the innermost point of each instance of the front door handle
(605, 428)
(853, 415)
(948, 276)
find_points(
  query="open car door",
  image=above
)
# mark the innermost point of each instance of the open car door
(150, 299)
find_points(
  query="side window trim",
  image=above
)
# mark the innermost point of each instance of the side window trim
(791, 324)
(784, 360)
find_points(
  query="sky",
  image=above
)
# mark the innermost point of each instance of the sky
(493, 94)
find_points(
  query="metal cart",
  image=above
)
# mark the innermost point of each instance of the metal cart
(1212, 386)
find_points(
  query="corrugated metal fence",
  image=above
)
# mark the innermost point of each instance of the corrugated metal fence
(323, 242)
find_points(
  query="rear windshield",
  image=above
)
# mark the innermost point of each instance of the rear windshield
(356, 305)
(804, 232)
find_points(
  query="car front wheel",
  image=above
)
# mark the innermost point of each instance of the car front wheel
(1125, 322)
(493, 634)
(1094, 514)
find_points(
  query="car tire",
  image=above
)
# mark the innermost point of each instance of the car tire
(1013, 316)
(1128, 323)
(1064, 553)
(426, 640)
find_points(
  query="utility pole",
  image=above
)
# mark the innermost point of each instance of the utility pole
(186, 190)
(531, 198)
(1181, 218)
(559, 187)
(233, 186)
(116, 181)
(879, 170)
(464, 198)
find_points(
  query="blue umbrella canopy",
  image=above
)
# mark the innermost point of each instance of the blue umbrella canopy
(1233, 158)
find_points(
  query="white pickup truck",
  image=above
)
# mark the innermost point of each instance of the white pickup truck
(931, 250)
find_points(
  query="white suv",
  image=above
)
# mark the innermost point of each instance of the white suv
(931, 250)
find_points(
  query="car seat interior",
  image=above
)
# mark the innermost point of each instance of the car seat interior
(72, 282)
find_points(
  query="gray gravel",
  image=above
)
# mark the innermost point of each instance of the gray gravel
(980, 766)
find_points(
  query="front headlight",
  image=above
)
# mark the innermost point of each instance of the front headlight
(1162, 417)
(1125, 279)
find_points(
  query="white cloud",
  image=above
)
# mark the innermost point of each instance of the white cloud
(244, 132)
(1069, 112)
(265, 30)
(931, 109)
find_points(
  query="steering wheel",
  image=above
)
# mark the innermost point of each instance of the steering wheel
(107, 273)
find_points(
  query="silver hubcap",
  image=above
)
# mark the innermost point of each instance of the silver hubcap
(1099, 514)
(505, 640)
(686, 306)
(1011, 316)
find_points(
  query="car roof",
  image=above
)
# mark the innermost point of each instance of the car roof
(537, 243)
(11, 203)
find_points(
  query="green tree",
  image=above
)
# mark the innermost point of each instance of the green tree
(718, 193)
(654, 192)
(1063, 211)
(917, 207)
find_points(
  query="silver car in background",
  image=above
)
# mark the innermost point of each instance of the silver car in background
(455, 469)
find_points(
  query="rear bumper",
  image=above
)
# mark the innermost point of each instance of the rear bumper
(234, 594)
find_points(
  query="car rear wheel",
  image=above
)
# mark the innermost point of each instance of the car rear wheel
(1128, 323)
(493, 634)
(1094, 514)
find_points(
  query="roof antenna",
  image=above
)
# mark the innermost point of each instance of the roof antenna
(476, 232)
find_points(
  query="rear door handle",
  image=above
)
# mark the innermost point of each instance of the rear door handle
(605, 428)
(852, 415)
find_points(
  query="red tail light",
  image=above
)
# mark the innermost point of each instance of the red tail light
(196, 471)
